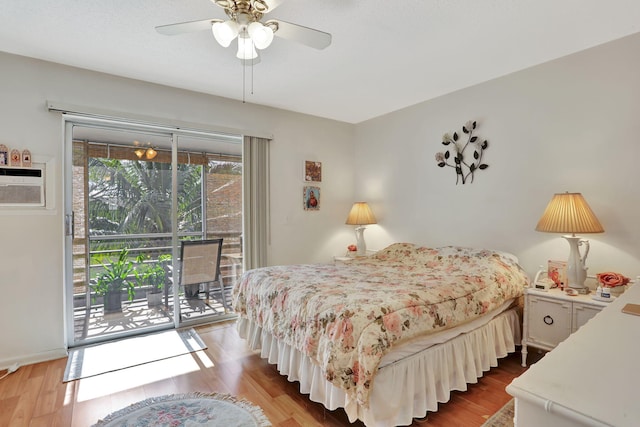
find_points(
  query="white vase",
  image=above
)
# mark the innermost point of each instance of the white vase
(616, 291)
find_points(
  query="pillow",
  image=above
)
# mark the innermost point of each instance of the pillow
(452, 255)
(397, 252)
(409, 253)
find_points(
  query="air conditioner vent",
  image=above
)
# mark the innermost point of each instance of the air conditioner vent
(22, 186)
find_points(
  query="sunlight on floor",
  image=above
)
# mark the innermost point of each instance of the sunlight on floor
(204, 359)
(68, 393)
(119, 354)
(125, 379)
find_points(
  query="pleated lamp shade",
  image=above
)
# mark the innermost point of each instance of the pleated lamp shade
(360, 214)
(569, 213)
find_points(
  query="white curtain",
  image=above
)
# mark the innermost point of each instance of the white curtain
(255, 198)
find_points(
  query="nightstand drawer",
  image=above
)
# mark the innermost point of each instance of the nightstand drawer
(582, 314)
(549, 321)
(551, 316)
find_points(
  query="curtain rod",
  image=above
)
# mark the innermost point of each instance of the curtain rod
(169, 125)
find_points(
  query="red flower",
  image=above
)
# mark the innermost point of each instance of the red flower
(612, 279)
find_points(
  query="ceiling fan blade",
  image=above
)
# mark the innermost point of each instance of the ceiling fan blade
(186, 27)
(305, 35)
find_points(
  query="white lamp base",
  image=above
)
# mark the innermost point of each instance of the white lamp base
(362, 246)
(576, 270)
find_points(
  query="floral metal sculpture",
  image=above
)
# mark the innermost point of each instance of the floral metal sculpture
(456, 153)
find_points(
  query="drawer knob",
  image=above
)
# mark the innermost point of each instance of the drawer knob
(548, 320)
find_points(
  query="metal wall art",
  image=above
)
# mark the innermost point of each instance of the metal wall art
(456, 156)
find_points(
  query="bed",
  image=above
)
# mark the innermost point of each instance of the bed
(389, 336)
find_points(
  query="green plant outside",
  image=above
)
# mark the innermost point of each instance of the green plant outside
(114, 278)
(151, 274)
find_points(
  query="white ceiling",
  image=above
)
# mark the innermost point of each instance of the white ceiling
(385, 55)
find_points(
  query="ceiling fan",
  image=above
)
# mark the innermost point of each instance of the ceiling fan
(245, 24)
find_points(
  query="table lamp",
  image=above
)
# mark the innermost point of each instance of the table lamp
(570, 213)
(360, 215)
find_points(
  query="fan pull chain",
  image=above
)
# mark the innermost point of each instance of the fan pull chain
(244, 67)
(244, 76)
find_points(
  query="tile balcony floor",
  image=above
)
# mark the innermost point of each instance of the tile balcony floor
(92, 323)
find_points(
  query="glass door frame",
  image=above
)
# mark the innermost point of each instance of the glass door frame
(174, 133)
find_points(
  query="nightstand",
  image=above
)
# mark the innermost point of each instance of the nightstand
(337, 259)
(550, 317)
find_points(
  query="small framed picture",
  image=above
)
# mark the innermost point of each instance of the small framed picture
(26, 158)
(311, 198)
(4, 155)
(312, 171)
(557, 271)
(16, 157)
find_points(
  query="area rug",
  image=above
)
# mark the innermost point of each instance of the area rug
(188, 410)
(502, 418)
(98, 359)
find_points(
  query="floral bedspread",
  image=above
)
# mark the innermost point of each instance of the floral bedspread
(345, 317)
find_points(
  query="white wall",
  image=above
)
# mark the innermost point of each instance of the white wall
(31, 257)
(568, 125)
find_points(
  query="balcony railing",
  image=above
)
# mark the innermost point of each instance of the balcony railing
(151, 245)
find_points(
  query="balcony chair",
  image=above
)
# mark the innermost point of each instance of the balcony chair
(200, 268)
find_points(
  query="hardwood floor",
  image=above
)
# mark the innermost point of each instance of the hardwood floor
(35, 395)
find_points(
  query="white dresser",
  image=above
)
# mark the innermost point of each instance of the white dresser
(590, 379)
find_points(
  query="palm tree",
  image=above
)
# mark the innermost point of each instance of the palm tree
(134, 197)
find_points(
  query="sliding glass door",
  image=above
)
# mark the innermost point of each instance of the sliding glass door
(209, 206)
(135, 192)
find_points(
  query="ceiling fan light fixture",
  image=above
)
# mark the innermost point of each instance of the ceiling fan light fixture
(261, 35)
(246, 48)
(225, 32)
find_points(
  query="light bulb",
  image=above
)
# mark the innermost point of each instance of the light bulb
(139, 152)
(262, 36)
(246, 50)
(225, 32)
(151, 153)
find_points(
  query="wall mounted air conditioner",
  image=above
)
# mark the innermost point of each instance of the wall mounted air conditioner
(22, 186)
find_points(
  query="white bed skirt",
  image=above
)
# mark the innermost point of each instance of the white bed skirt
(405, 389)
